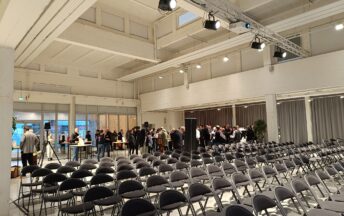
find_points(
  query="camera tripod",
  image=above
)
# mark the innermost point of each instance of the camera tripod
(45, 144)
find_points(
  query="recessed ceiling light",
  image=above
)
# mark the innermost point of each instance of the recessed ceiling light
(218, 109)
(278, 103)
(245, 107)
(310, 100)
(225, 59)
(198, 66)
(181, 71)
(341, 97)
(21, 98)
(339, 27)
(160, 77)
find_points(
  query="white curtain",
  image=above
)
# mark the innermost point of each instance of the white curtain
(292, 121)
(248, 114)
(327, 117)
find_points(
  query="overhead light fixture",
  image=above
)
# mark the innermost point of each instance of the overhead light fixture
(181, 71)
(218, 109)
(211, 23)
(310, 100)
(247, 25)
(342, 97)
(160, 77)
(198, 66)
(245, 107)
(278, 103)
(339, 27)
(279, 53)
(225, 59)
(257, 44)
(21, 98)
(167, 5)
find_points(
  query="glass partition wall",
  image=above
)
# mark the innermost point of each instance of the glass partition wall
(88, 118)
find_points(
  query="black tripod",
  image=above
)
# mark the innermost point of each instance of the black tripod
(45, 144)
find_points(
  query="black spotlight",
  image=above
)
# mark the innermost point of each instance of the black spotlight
(256, 44)
(167, 5)
(279, 54)
(247, 25)
(211, 23)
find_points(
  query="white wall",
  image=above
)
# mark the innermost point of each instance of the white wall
(322, 71)
(175, 119)
(158, 119)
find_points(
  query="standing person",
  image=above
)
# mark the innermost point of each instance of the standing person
(163, 134)
(101, 144)
(28, 144)
(120, 135)
(62, 141)
(49, 147)
(75, 139)
(97, 138)
(149, 141)
(108, 141)
(177, 139)
(201, 138)
(249, 134)
(206, 133)
(131, 141)
(88, 136)
(142, 140)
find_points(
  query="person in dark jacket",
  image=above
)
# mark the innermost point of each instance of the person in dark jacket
(249, 134)
(177, 139)
(206, 134)
(101, 144)
(220, 138)
(131, 141)
(108, 141)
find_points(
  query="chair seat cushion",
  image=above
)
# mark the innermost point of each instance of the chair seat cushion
(322, 212)
(133, 194)
(77, 209)
(337, 197)
(332, 206)
(113, 200)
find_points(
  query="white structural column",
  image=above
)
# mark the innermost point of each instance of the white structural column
(6, 113)
(234, 115)
(139, 114)
(309, 119)
(271, 116)
(72, 115)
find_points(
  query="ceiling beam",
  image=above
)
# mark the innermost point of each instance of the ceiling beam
(16, 19)
(286, 24)
(92, 37)
(59, 22)
(247, 5)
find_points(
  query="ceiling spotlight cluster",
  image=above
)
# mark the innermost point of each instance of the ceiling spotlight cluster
(279, 53)
(257, 44)
(167, 5)
(211, 23)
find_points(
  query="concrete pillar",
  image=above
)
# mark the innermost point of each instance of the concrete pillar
(309, 119)
(139, 114)
(272, 119)
(6, 113)
(72, 115)
(234, 115)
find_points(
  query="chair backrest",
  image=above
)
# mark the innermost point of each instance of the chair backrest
(29, 169)
(261, 202)
(81, 174)
(101, 179)
(299, 186)
(124, 167)
(234, 210)
(172, 160)
(52, 166)
(157, 162)
(41, 172)
(125, 174)
(138, 207)
(133, 156)
(71, 184)
(142, 164)
(184, 159)
(97, 193)
(165, 168)
(65, 169)
(198, 189)
(138, 159)
(255, 174)
(281, 168)
(196, 172)
(322, 175)
(156, 180)
(106, 164)
(105, 170)
(128, 186)
(90, 161)
(145, 171)
(221, 183)
(195, 163)
(54, 178)
(72, 164)
(170, 197)
(213, 169)
(312, 180)
(106, 159)
(87, 166)
(178, 176)
(283, 193)
(269, 171)
(181, 165)
(239, 178)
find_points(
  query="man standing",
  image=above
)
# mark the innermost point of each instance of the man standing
(28, 145)
(75, 140)
(108, 143)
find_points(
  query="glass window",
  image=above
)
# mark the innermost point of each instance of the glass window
(62, 125)
(123, 122)
(102, 121)
(27, 116)
(81, 124)
(132, 121)
(113, 122)
(50, 117)
(186, 18)
(92, 124)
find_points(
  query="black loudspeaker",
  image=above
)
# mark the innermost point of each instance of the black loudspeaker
(146, 124)
(47, 126)
(190, 141)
